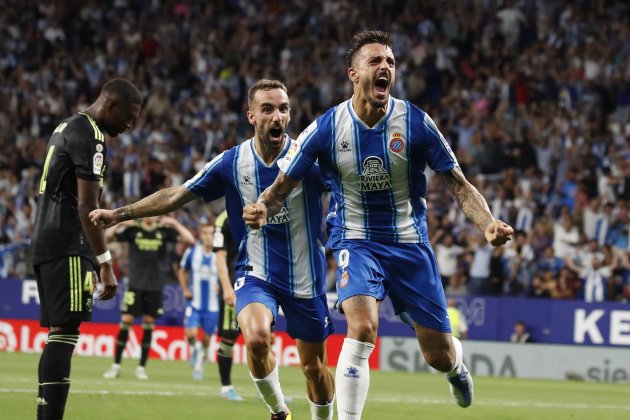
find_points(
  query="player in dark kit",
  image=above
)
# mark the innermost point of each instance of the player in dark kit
(66, 247)
(148, 266)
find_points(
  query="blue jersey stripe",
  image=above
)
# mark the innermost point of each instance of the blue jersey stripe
(388, 167)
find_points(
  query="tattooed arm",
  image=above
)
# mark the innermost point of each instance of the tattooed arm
(475, 207)
(270, 201)
(161, 202)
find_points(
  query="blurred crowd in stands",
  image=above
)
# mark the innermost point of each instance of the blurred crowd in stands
(533, 96)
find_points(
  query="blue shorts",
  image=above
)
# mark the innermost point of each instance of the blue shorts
(307, 319)
(407, 272)
(194, 318)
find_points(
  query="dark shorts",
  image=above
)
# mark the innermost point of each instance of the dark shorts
(65, 291)
(138, 302)
(228, 327)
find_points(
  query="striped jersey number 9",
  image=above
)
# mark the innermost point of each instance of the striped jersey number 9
(344, 258)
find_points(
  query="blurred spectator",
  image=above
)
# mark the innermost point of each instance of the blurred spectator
(520, 334)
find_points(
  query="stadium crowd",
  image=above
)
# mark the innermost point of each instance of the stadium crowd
(532, 95)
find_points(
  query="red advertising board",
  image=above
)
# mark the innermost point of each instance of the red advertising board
(169, 343)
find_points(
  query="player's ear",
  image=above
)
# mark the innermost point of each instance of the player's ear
(352, 75)
(250, 117)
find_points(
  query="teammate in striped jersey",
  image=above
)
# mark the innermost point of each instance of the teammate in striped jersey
(282, 264)
(373, 150)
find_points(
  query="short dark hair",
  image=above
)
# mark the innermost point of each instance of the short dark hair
(367, 37)
(123, 89)
(264, 84)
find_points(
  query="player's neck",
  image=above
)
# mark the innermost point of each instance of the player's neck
(366, 112)
(267, 154)
(207, 249)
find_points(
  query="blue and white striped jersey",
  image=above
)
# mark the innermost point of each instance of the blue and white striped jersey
(288, 251)
(203, 279)
(376, 174)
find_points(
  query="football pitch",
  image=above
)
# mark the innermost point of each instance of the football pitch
(171, 393)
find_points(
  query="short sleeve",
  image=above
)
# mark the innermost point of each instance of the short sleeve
(438, 152)
(186, 260)
(303, 153)
(86, 148)
(209, 182)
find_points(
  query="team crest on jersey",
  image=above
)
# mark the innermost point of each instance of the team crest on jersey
(345, 278)
(97, 163)
(396, 143)
(374, 176)
(280, 218)
(344, 146)
(89, 305)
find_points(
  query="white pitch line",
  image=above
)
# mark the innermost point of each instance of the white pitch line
(376, 398)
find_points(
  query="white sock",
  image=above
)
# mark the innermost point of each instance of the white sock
(321, 412)
(459, 356)
(270, 391)
(226, 388)
(201, 357)
(352, 378)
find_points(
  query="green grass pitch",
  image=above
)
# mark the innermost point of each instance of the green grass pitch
(171, 393)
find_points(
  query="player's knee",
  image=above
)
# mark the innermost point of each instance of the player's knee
(313, 371)
(226, 348)
(364, 330)
(258, 343)
(441, 360)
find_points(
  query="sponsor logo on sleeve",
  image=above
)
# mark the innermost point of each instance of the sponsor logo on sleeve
(97, 163)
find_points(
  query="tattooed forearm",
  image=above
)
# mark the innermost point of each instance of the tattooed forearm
(161, 202)
(470, 201)
(124, 213)
(274, 196)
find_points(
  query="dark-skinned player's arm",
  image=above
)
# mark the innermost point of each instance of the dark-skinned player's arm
(88, 194)
(158, 203)
(270, 201)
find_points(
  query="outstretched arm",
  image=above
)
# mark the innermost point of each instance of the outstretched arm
(161, 202)
(270, 201)
(474, 206)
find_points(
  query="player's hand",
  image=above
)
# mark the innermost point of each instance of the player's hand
(229, 298)
(110, 284)
(255, 215)
(103, 218)
(168, 221)
(497, 233)
(187, 294)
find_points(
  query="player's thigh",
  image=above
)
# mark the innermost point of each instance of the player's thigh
(152, 304)
(359, 271)
(209, 321)
(415, 285)
(131, 304)
(256, 307)
(191, 318)
(65, 288)
(307, 319)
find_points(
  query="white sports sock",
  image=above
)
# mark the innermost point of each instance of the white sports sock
(201, 357)
(459, 355)
(270, 391)
(321, 412)
(352, 378)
